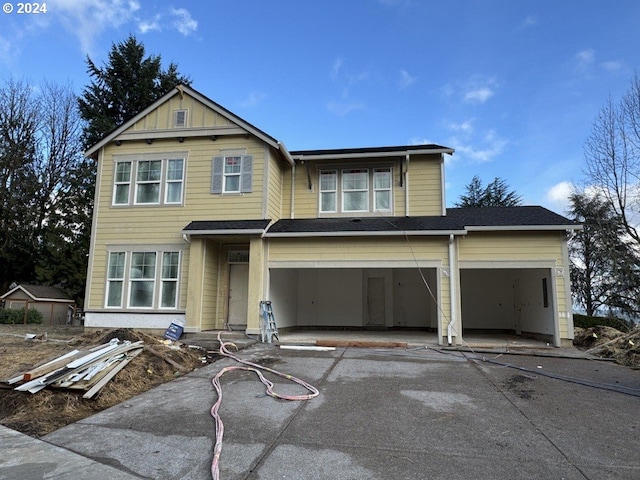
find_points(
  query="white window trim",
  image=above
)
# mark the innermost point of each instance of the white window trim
(375, 190)
(132, 280)
(158, 280)
(334, 191)
(367, 189)
(371, 190)
(134, 160)
(226, 175)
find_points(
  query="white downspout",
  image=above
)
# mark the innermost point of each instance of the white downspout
(452, 290)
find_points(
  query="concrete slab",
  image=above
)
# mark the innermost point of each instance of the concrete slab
(23, 457)
(415, 413)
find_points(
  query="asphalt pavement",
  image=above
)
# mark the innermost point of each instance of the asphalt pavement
(417, 413)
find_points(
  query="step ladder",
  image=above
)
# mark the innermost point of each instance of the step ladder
(268, 328)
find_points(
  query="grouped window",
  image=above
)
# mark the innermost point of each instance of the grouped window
(356, 190)
(143, 279)
(149, 182)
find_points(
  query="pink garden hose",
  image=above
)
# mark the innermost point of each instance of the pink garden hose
(250, 367)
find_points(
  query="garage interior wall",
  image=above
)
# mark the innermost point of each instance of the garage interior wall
(511, 300)
(338, 297)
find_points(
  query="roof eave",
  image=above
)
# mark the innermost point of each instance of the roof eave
(393, 153)
(522, 228)
(361, 233)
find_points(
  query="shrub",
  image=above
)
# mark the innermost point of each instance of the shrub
(15, 316)
(584, 321)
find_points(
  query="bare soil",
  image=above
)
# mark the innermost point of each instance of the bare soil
(43, 412)
(607, 342)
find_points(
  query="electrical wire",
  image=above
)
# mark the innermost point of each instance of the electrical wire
(257, 369)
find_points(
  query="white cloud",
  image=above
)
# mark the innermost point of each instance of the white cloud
(406, 79)
(530, 21)
(558, 196)
(343, 108)
(89, 18)
(253, 99)
(612, 65)
(152, 25)
(478, 95)
(466, 126)
(183, 21)
(477, 89)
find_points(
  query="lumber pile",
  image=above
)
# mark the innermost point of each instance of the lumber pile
(88, 370)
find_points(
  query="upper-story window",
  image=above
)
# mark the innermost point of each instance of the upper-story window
(149, 182)
(356, 190)
(232, 173)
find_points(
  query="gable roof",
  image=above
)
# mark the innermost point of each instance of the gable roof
(41, 293)
(458, 221)
(226, 227)
(182, 90)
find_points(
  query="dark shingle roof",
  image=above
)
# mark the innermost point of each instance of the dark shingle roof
(41, 292)
(456, 220)
(366, 150)
(226, 226)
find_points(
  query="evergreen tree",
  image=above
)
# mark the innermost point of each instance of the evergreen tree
(495, 194)
(604, 266)
(126, 84)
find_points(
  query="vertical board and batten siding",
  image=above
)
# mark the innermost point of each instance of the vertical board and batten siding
(425, 185)
(544, 247)
(198, 116)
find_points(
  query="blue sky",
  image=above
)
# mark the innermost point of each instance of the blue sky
(513, 86)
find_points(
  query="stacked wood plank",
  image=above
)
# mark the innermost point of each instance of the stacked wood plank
(88, 370)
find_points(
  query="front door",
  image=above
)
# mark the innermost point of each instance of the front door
(238, 295)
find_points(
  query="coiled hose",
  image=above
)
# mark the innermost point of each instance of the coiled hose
(257, 369)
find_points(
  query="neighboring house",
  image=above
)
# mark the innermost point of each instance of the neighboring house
(200, 216)
(56, 306)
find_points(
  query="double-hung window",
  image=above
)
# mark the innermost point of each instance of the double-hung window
(148, 176)
(328, 190)
(149, 180)
(356, 190)
(143, 279)
(382, 189)
(232, 173)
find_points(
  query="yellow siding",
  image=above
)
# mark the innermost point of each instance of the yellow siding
(306, 200)
(161, 225)
(275, 186)
(515, 246)
(355, 249)
(425, 185)
(210, 298)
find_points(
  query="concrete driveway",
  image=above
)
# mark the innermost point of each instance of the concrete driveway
(418, 413)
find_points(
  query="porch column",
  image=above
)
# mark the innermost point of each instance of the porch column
(256, 291)
(193, 311)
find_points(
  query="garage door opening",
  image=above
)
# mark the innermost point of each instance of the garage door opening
(353, 298)
(518, 301)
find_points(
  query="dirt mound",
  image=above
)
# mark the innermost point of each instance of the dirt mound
(43, 412)
(607, 342)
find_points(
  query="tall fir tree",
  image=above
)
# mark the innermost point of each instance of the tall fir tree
(127, 83)
(495, 194)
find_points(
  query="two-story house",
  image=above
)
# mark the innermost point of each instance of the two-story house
(200, 216)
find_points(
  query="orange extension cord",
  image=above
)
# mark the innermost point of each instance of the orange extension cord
(250, 367)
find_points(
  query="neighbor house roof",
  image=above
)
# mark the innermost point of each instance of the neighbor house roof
(458, 221)
(41, 293)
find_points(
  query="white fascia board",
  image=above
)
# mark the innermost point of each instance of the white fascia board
(388, 233)
(523, 228)
(16, 289)
(223, 232)
(286, 154)
(397, 153)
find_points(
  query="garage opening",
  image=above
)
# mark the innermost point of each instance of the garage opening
(353, 298)
(518, 301)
